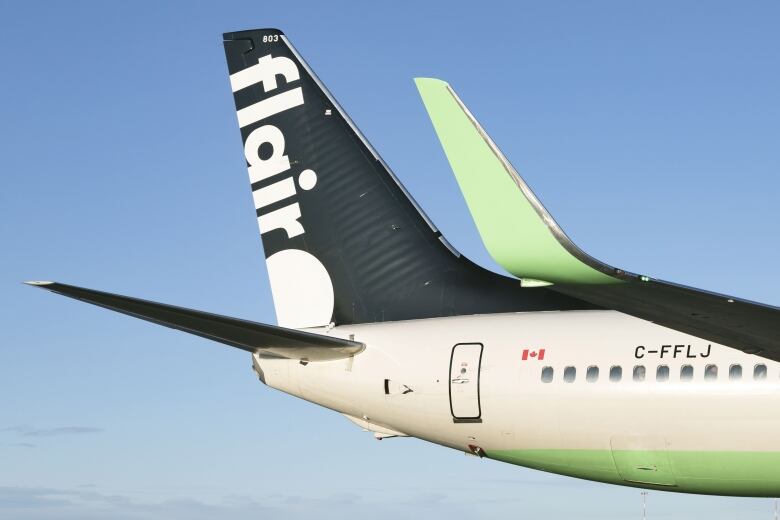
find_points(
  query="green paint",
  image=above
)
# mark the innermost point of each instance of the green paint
(514, 233)
(732, 473)
(644, 466)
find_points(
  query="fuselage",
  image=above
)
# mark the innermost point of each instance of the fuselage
(542, 390)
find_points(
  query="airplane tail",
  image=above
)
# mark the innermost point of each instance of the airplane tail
(344, 242)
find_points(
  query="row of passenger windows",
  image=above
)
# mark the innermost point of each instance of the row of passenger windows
(639, 373)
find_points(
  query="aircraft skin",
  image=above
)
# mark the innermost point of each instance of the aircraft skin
(698, 436)
(382, 320)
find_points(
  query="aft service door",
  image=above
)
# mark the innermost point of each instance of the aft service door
(464, 382)
(643, 459)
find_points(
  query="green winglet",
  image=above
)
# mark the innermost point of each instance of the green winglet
(516, 229)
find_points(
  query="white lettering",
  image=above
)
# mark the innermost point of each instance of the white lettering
(260, 169)
(271, 106)
(274, 193)
(265, 72)
(283, 218)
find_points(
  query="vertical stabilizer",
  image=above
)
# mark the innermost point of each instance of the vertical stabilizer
(344, 242)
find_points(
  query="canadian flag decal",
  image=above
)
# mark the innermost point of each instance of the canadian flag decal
(533, 354)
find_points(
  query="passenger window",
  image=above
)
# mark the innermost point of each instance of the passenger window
(547, 374)
(569, 374)
(662, 373)
(711, 372)
(759, 372)
(735, 372)
(639, 373)
(615, 374)
(686, 373)
(592, 374)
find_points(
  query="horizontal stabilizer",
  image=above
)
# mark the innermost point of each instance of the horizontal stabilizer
(518, 232)
(246, 335)
(523, 237)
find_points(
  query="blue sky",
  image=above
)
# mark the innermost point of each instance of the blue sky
(649, 130)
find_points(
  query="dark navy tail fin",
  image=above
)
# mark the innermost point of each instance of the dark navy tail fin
(344, 242)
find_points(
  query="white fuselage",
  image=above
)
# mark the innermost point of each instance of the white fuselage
(556, 425)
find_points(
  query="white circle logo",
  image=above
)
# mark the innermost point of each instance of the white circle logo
(302, 289)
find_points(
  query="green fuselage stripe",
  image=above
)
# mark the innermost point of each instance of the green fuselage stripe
(735, 473)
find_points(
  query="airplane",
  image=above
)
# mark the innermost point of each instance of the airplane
(565, 364)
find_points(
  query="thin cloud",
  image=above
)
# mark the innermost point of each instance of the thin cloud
(26, 431)
(40, 503)
(62, 430)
